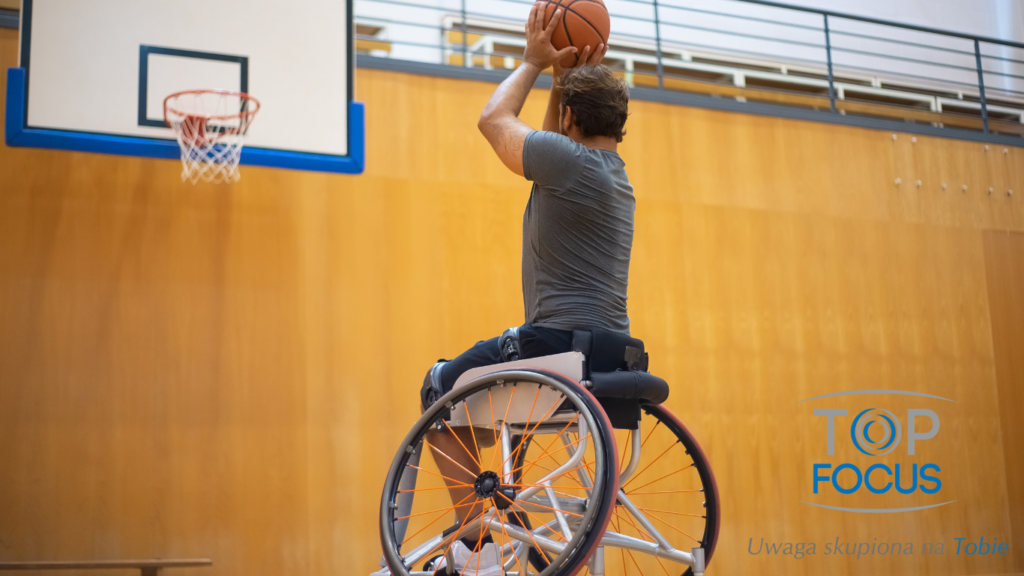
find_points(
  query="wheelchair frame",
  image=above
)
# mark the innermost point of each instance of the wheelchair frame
(540, 496)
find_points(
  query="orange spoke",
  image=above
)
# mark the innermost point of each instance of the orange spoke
(525, 429)
(553, 510)
(503, 420)
(475, 461)
(473, 433)
(545, 486)
(511, 545)
(673, 527)
(455, 538)
(625, 516)
(565, 446)
(671, 512)
(615, 523)
(494, 429)
(529, 433)
(438, 488)
(530, 533)
(435, 473)
(642, 537)
(430, 512)
(550, 444)
(434, 520)
(479, 543)
(662, 564)
(633, 558)
(589, 470)
(651, 463)
(642, 534)
(666, 492)
(439, 546)
(438, 450)
(564, 473)
(573, 478)
(663, 477)
(649, 434)
(541, 523)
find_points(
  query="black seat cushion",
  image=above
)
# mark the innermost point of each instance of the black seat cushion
(630, 384)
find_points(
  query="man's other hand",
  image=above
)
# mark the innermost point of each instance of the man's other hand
(539, 51)
(592, 59)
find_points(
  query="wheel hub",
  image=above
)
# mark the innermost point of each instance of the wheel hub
(488, 485)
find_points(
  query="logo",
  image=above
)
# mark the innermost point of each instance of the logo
(890, 435)
(876, 432)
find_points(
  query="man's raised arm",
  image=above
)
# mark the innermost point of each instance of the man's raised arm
(499, 122)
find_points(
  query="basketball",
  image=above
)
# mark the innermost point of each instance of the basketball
(582, 23)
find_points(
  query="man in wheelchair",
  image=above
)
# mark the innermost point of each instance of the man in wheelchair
(577, 239)
(578, 223)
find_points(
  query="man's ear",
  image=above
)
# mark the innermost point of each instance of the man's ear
(567, 120)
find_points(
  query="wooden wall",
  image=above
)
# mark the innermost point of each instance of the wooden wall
(226, 371)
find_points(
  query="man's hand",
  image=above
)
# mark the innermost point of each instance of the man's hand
(588, 59)
(539, 51)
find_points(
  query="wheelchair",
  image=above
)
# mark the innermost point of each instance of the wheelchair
(577, 467)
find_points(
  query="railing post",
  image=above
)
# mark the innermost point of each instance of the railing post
(828, 57)
(465, 37)
(981, 87)
(657, 45)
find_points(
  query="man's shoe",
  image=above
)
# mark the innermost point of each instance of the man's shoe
(485, 562)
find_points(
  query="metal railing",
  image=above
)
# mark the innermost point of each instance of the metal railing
(743, 49)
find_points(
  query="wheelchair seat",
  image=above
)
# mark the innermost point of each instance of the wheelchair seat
(611, 365)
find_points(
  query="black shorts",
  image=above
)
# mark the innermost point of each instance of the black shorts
(534, 341)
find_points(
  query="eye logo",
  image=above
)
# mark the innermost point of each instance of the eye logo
(876, 431)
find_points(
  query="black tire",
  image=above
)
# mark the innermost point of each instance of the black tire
(596, 509)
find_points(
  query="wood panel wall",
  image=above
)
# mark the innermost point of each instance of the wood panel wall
(225, 371)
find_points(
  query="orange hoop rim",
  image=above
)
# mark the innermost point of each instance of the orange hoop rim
(242, 114)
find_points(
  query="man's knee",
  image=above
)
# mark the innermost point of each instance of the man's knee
(432, 387)
(509, 346)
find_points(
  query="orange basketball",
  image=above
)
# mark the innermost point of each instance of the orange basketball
(582, 23)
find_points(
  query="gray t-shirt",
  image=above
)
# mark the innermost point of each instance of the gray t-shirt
(577, 235)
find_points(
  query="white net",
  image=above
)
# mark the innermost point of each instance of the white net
(211, 126)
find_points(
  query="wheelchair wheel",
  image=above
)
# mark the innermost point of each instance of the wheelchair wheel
(673, 486)
(536, 517)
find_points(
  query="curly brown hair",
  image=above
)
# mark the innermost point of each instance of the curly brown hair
(598, 99)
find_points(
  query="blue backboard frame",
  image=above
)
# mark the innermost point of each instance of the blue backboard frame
(18, 133)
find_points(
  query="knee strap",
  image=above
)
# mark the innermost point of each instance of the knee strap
(432, 388)
(509, 345)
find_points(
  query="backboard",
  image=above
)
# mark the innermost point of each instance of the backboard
(94, 73)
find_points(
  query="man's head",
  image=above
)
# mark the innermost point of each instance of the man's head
(594, 103)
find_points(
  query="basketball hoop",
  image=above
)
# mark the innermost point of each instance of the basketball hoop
(211, 127)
